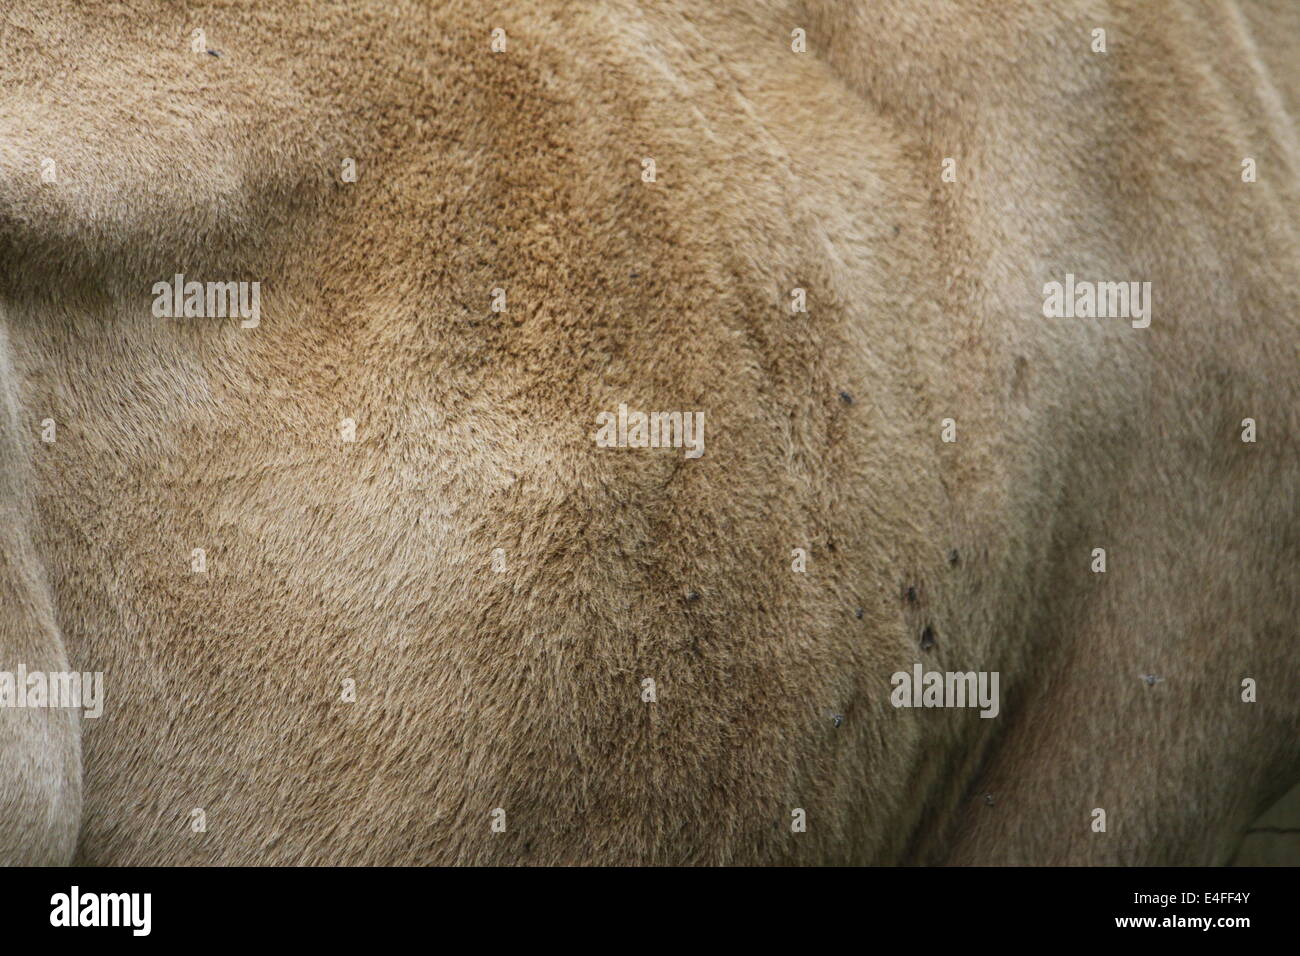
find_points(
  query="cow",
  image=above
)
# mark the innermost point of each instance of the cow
(376, 560)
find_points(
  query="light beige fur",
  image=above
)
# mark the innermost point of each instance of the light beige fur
(372, 561)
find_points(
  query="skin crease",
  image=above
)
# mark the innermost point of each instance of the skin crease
(522, 689)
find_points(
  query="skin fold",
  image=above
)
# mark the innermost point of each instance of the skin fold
(429, 645)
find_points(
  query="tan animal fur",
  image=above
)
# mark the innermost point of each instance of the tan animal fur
(521, 690)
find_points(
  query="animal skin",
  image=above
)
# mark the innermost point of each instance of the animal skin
(359, 676)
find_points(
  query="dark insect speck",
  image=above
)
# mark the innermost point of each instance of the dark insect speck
(910, 593)
(214, 53)
(847, 398)
(858, 614)
(927, 638)
(692, 595)
(954, 558)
